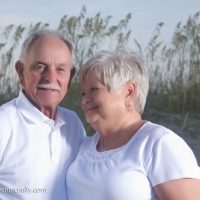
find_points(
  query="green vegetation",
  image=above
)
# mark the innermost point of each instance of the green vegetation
(174, 67)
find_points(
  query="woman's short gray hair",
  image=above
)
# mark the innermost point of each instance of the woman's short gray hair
(114, 69)
(40, 33)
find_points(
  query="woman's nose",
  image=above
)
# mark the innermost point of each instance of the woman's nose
(86, 98)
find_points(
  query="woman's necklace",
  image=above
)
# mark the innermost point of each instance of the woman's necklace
(120, 137)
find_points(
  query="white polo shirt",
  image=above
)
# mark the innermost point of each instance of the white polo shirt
(36, 151)
(152, 156)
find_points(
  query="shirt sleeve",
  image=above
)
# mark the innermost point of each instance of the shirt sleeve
(82, 131)
(172, 159)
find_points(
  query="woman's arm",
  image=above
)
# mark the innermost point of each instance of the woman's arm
(180, 189)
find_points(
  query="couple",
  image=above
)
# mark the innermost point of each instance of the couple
(128, 158)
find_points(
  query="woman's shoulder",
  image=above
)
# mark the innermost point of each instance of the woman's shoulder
(168, 156)
(151, 135)
(152, 127)
(154, 131)
(90, 140)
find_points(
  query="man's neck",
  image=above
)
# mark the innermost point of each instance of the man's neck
(48, 111)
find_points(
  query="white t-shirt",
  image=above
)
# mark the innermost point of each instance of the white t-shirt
(36, 151)
(153, 155)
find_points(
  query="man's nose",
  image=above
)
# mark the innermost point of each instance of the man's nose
(51, 75)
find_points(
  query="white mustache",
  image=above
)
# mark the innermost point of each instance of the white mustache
(48, 86)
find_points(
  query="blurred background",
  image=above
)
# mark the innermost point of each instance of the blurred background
(166, 33)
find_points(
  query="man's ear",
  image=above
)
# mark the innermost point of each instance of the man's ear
(19, 67)
(72, 73)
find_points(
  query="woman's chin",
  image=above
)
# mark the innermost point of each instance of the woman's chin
(91, 120)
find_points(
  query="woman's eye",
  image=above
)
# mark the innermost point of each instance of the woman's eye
(93, 89)
(82, 94)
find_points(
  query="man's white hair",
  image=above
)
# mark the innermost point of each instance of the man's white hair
(40, 33)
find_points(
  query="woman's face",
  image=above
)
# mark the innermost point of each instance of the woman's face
(100, 105)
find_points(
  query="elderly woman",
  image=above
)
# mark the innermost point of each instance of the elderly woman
(128, 158)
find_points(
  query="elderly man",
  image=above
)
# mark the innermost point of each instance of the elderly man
(39, 139)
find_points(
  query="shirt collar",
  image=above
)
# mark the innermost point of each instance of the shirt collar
(32, 113)
(59, 121)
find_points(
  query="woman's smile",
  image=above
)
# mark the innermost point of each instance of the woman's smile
(91, 108)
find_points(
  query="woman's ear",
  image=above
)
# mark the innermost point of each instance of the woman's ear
(130, 92)
(19, 67)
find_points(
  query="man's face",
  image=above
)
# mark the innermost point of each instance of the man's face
(45, 74)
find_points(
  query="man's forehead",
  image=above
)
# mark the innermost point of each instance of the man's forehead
(49, 43)
(46, 62)
(49, 50)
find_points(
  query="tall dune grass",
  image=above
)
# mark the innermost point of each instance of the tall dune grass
(174, 68)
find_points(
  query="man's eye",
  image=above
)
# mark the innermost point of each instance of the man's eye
(40, 67)
(82, 94)
(61, 69)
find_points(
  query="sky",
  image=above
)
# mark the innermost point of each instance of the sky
(146, 14)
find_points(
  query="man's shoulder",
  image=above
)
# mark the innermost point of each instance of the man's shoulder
(8, 114)
(68, 114)
(66, 111)
(8, 107)
(72, 120)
